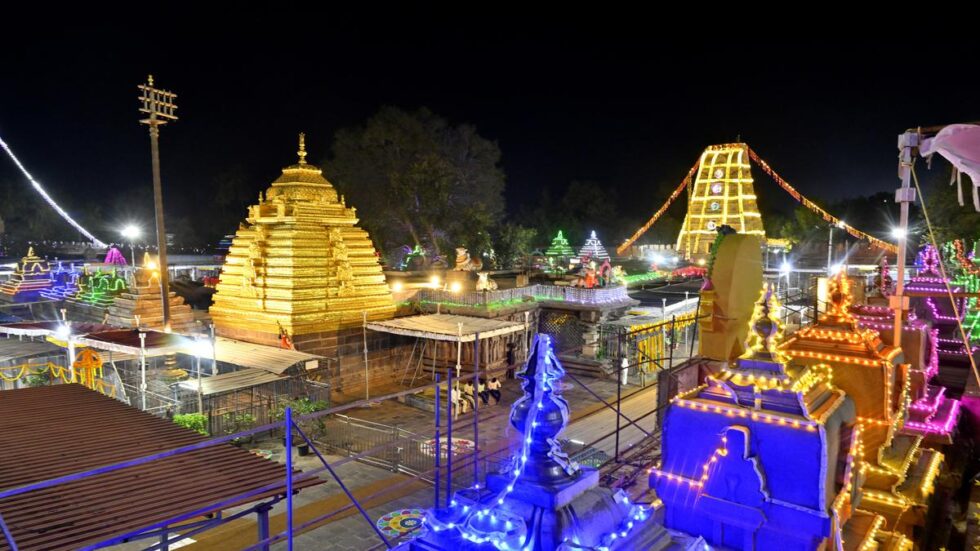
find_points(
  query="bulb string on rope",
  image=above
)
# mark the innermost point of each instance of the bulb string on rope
(656, 216)
(44, 195)
(800, 198)
(942, 271)
(787, 187)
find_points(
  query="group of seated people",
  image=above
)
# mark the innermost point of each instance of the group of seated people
(463, 398)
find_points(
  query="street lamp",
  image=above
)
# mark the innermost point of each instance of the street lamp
(899, 233)
(131, 233)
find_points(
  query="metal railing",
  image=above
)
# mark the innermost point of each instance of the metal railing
(532, 292)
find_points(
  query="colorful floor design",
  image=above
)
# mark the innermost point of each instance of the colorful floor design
(401, 521)
(460, 446)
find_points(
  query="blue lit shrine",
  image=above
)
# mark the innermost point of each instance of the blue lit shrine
(65, 283)
(764, 455)
(749, 461)
(542, 501)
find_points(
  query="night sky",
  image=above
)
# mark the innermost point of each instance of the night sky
(572, 102)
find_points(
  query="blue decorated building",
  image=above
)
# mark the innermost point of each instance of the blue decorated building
(763, 456)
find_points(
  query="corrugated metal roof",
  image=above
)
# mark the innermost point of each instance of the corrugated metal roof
(127, 341)
(52, 431)
(45, 328)
(227, 382)
(267, 358)
(15, 349)
(446, 327)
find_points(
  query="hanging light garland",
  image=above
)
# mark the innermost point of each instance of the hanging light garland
(656, 216)
(816, 208)
(46, 197)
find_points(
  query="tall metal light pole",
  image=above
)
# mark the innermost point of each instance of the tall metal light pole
(159, 106)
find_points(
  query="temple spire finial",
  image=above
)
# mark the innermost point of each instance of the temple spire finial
(302, 148)
(766, 333)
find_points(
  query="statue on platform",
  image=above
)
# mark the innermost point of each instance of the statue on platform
(608, 275)
(465, 263)
(484, 283)
(587, 278)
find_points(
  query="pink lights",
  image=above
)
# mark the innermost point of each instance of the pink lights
(938, 426)
(924, 403)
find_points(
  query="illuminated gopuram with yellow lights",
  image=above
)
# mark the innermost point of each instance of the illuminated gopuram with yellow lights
(898, 474)
(300, 263)
(722, 194)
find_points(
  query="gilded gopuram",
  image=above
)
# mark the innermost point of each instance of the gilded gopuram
(722, 195)
(300, 264)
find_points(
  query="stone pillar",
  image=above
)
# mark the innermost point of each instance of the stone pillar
(590, 321)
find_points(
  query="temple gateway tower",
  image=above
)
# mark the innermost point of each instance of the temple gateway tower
(722, 194)
(300, 264)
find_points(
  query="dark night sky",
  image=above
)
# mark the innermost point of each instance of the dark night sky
(568, 103)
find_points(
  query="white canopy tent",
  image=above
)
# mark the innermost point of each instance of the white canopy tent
(447, 327)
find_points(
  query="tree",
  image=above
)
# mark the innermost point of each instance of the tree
(29, 218)
(949, 220)
(802, 226)
(418, 180)
(513, 244)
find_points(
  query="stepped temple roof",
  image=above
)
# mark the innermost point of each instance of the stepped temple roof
(299, 263)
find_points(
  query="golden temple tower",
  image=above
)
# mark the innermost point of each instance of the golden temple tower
(300, 262)
(722, 194)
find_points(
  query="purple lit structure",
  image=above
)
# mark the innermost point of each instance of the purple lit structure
(932, 346)
(114, 257)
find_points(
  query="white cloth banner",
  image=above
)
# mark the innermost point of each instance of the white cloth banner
(960, 145)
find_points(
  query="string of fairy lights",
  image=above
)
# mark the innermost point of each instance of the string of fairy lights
(656, 216)
(510, 531)
(800, 198)
(44, 195)
(817, 209)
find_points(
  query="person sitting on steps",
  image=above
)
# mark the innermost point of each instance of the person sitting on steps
(459, 405)
(493, 388)
(482, 392)
(468, 395)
